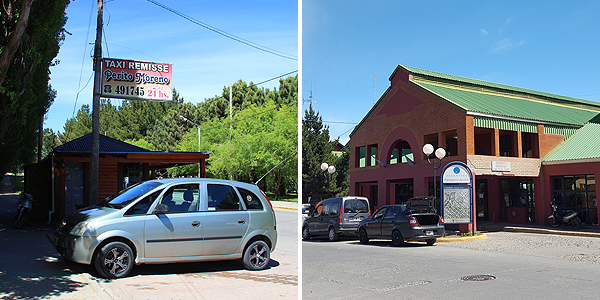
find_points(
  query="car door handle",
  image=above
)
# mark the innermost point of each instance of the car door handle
(242, 221)
(196, 223)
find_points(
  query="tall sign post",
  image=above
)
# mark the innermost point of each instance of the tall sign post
(95, 155)
(458, 196)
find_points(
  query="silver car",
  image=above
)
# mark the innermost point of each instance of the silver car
(171, 220)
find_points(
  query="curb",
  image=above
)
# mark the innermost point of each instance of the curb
(462, 239)
(283, 207)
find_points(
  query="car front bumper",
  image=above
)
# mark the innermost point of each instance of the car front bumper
(72, 247)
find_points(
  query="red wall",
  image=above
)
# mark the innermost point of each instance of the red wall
(406, 112)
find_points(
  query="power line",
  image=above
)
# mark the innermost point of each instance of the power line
(83, 60)
(250, 85)
(225, 34)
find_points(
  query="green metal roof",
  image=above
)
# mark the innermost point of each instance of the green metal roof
(582, 145)
(511, 107)
(494, 99)
(420, 74)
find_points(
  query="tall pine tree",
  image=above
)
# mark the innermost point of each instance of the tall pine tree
(317, 149)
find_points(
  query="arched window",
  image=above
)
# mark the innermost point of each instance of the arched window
(401, 153)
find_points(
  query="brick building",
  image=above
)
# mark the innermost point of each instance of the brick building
(524, 147)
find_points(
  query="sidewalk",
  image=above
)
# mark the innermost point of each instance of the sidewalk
(534, 228)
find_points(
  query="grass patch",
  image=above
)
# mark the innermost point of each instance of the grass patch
(18, 181)
(287, 198)
(460, 234)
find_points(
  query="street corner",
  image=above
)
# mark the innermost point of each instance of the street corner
(458, 238)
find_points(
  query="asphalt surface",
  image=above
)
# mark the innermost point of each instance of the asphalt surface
(30, 268)
(506, 265)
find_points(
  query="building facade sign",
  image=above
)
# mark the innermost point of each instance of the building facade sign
(136, 80)
(501, 166)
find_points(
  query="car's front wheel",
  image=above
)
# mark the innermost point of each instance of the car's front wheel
(397, 239)
(256, 256)
(114, 260)
(363, 237)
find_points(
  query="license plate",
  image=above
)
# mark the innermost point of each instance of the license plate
(428, 232)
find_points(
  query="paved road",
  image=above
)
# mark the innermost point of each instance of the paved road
(523, 265)
(31, 269)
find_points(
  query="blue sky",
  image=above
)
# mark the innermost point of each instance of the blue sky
(549, 46)
(203, 62)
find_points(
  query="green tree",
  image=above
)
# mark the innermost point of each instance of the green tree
(142, 144)
(28, 45)
(49, 141)
(77, 126)
(316, 149)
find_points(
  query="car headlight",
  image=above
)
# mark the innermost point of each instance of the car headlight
(80, 228)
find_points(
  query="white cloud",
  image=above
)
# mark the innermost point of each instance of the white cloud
(506, 44)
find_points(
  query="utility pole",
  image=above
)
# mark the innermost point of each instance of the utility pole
(230, 105)
(230, 120)
(95, 164)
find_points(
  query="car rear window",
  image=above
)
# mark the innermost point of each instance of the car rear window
(250, 199)
(222, 197)
(356, 206)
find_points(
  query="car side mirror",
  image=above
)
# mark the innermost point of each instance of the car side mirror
(161, 209)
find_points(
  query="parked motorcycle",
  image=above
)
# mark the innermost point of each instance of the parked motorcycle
(25, 206)
(564, 218)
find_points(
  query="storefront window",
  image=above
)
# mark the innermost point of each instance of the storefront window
(577, 192)
(404, 191)
(518, 192)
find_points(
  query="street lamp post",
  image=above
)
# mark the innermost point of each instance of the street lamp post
(439, 153)
(329, 169)
(199, 130)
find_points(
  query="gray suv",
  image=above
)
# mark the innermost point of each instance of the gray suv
(336, 216)
(171, 220)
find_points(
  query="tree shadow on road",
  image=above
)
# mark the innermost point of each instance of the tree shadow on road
(31, 269)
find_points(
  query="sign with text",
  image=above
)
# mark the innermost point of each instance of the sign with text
(456, 174)
(500, 166)
(457, 194)
(136, 80)
(457, 204)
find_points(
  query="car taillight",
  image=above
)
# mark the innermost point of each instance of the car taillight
(441, 221)
(263, 193)
(340, 217)
(413, 222)
(271, 205)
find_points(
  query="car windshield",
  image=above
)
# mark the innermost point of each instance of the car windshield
(356, 206)
(126, 196)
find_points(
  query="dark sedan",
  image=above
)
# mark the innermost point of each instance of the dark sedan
(400, 224)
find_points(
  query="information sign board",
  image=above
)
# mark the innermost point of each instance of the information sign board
(457, 194)
(136, 80)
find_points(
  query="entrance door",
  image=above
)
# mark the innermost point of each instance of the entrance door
(373, 199)
(482, 199)
(73, 186)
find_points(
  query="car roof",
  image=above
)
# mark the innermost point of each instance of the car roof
(176, 180)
